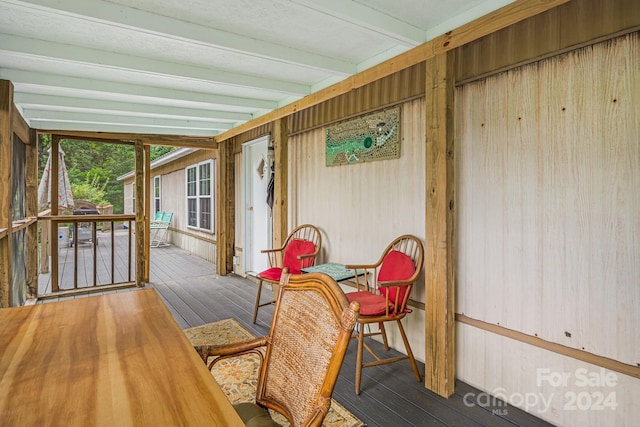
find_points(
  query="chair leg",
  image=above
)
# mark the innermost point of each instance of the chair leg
(383, 332)
(359, 357)
(152, 238)
(255, 309)
(414, 365)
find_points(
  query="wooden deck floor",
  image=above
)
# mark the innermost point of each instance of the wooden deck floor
(82, 255)
(390, 397)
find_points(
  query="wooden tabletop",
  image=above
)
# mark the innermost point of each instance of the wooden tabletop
(111, 360)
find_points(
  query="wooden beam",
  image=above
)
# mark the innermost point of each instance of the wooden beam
(494, 21)
(31, 175)
(19, 126)
(87, 290)
(45, 244)
(22, 224)
(139, 207)
(508, 15)
(574, 353)
(53, 233)
(181, 141)
(147, 211)
(89, 218)
(439, 250)
(280, 141)
(6, 149)
(225, 209)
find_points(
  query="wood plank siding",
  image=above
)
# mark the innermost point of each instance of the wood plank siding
(6, 148)
(391, 90)
(352, 204)
(557, 30)
(173, 199)
(548, 220)
(18, 210)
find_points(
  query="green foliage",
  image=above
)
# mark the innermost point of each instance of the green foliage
(103, 163)
(44, 143)
(87, 192)
(91, 190)
(94, 167)
(159, 151)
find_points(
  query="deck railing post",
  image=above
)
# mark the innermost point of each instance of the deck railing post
(140, 241)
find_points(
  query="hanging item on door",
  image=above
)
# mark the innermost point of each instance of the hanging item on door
(270, 187)
(263, 167)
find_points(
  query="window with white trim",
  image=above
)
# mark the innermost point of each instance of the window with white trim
(156, 194)
(200, 196)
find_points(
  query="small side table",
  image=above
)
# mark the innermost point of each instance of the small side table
(333, 269)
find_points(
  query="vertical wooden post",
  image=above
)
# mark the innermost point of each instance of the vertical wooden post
(280, 134)
(31, 175)
(45, 244)
(140, 241)
(6, 149)
(225, 207)
(147, 211)
(439, 250)
(53, 233)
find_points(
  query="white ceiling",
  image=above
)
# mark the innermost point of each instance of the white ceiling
(199, 67)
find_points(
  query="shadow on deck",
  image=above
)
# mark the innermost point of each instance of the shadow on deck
(390, 396)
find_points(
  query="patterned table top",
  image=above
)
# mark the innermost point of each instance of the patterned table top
(333, 269)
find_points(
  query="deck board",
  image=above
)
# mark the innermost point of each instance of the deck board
(390, 395)
(85, 263)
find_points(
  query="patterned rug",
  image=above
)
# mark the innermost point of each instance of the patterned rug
(238, 376)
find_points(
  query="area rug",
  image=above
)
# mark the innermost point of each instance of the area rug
(238, 376)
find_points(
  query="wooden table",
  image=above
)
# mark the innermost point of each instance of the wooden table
(111, 360)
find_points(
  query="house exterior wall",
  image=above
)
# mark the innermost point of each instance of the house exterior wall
(505, 244)
(173, 199)
(239, 205)
(128, 197)
(360, 208)
(565, 276)
(548, 230)
(501, 283)
(238, 189)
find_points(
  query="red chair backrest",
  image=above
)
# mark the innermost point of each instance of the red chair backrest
(295, 248)
(396, 266)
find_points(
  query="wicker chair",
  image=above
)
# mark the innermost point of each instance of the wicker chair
(310, 332)
(383, 298)
(298, 251)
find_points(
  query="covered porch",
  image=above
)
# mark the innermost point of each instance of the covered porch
(195, 295)
(518, 170)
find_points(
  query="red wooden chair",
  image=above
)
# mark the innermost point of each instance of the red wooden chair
(298, 251)
(383, 298)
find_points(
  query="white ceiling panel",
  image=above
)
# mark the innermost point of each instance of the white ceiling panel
(199, 67)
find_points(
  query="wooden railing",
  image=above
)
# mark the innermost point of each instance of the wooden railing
(87, 252)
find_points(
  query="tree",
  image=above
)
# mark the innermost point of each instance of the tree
(94, 167)
(159, 151)
(91, 190)
(44, 144)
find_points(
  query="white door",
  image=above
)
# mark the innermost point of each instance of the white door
(257, 214)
